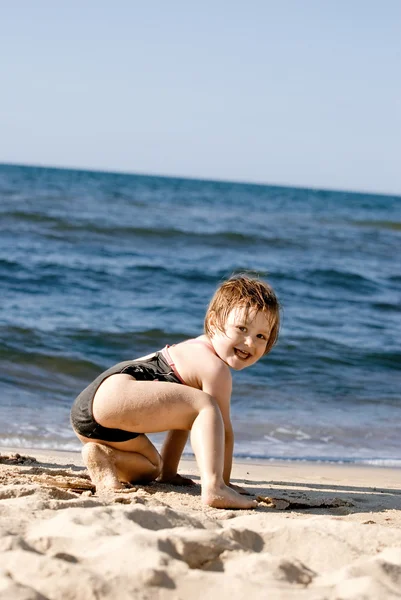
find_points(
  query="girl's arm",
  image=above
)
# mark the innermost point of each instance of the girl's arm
(228, 455)
(171, 452)
(217, 382)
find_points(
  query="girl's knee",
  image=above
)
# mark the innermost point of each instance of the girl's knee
(156, 470)
(157, 463)
(88, 449)
(206, 401)
(152, 469)
(154, 459)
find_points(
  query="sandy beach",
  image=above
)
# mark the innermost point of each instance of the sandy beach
(321, 531)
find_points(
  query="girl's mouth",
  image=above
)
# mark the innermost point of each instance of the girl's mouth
(241, 354)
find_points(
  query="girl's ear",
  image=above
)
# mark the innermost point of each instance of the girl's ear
(212, 321)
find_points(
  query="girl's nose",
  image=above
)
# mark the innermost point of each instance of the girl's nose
(249, 341)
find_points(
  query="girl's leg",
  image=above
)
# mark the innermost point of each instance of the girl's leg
(148, 407)
(110, 464)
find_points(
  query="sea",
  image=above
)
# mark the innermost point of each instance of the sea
(98, 267)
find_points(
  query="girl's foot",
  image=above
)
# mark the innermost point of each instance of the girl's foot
(225, 497)
(99, 461)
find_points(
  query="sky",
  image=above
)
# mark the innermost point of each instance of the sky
(298, 92)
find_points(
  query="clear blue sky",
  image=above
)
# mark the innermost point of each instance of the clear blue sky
(297, 92)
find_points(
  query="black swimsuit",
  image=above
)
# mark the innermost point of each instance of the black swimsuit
(158, 367)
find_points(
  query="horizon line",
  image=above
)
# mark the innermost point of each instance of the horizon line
(195, 178)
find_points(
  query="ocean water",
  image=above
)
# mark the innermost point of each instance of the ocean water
(96, 268)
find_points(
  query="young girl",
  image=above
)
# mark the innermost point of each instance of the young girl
(186, 387)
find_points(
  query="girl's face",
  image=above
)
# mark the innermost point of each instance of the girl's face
(244, 339)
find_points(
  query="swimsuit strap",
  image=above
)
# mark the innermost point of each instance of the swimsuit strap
(170, 361)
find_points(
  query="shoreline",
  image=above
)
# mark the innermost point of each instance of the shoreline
(296, 463)
(319, 531)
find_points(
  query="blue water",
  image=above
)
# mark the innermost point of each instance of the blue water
(96, 268)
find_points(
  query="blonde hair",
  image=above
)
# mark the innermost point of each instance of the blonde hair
(242, 291)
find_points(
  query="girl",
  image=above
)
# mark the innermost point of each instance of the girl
(186, 387)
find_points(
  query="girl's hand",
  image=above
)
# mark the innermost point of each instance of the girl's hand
(176, 480)
(239, 490)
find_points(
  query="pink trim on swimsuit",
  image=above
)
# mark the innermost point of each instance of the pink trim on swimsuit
(168, 358)
(170, 361)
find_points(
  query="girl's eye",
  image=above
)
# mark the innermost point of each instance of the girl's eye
(241, 328)
(261, 336)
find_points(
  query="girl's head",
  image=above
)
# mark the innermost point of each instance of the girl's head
(250, 294)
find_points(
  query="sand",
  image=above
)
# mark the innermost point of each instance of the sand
(322, 532)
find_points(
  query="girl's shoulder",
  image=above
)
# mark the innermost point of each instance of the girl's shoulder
(197, 361)
(201, 340)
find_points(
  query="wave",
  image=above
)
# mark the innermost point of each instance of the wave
(11, 266)
(386, 307)
(55, 364)
(374, 462)
(393, 225)
(56, 227)
(390, 360)
(32, 217)
(214, 239)
(33, 442)
(126, 339)
(307, 281)
(340, 279)
(33, 350)
(315, 356)
(54, 274)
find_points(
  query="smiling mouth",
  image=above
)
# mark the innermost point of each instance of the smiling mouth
(241, 354)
